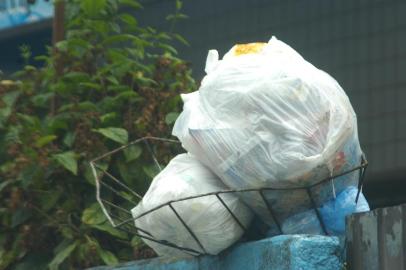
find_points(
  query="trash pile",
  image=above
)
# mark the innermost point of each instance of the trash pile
(263, 117)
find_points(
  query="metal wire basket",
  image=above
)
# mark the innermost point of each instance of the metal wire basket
(123, 198)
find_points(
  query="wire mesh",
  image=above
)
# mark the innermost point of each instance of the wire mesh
(117, 207)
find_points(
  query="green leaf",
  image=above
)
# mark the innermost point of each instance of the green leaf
(62, 45)
(87, 106)
(77, 76)
(4, 184)
(4, 168)
(113, 5)
(93, 215)
(107, 257)
(13, 135)
(93, 7)
(88, 173)
(170, 17)
(119, 88)
(105, 118)
(48, 199)
(151, 171)
(10, 98)
(137, 53)
(131, 3)
(164, 36)
(69, 139)
(129, 19)
(68, 160)
(20, 216)
(178, 4)
(116, 27)
(66, 107)
(119, 135)
(67, 232)
(30, 174)
(171, 117)
(168, 48)
(119, 38)
(44, 140)
(145, 81)
(58, 122)
(107, 227)
(4, 114)
(60, 87)
(132, 152)
(30, 120)
(181, 39)
(80, 43)
(127, 172)
(127, 96)
(181, 16)
(13, 252)
(91, 85)
(30, 68)
(116, 56)
(62, 255)
(43, 58)
(178, 16)
(42, 100)
(113, 80)
(136, 241)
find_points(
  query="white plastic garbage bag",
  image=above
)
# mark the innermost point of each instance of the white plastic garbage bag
(265, 117)
(208, 219)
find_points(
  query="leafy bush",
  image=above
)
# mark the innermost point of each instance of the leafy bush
(108, 82)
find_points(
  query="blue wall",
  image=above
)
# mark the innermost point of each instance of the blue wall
(284, 252)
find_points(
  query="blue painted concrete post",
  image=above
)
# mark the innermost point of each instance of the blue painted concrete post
(284, 252)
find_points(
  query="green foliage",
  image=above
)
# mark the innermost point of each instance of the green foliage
(68, 160)
(119, 135)
(109, 82)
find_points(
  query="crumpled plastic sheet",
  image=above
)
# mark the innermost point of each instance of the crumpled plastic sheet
(210, 221)
(265, 117)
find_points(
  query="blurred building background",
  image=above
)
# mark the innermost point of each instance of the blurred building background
(361, 43)
(23, 23)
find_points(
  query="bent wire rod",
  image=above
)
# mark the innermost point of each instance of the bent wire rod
(122, 222)
(93, 167)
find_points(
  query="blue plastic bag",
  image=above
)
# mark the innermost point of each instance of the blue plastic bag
(332, 212)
